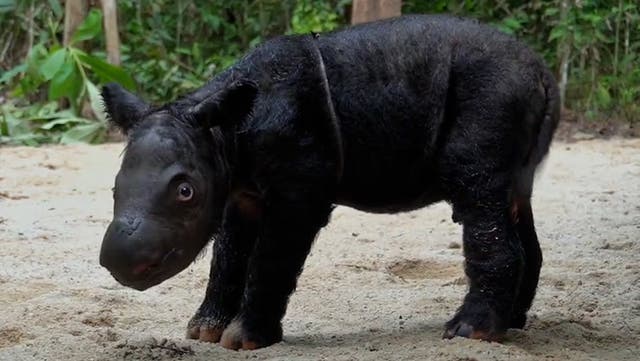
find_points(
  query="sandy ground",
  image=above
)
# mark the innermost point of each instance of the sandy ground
(376, 287)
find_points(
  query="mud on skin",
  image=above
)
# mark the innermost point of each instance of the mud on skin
(384, 117)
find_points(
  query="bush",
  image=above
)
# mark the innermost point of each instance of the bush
(48, 92)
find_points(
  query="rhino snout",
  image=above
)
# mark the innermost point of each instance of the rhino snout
(132, 254)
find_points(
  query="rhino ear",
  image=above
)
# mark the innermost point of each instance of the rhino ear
(123, 108)
(231, 104)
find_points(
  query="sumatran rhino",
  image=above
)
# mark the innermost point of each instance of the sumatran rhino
(384, 117)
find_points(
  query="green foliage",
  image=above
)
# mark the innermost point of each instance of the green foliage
(49, 92)
(601, 39)
(169, 47)
(42, 123)
(7, 5)
(68, 75)
(174, 46)
(313, 16)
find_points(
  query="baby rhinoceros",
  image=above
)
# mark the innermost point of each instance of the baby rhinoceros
(384, 117)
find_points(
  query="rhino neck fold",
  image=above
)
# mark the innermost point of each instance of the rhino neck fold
(333, 118)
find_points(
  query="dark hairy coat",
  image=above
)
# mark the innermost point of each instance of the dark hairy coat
(384, 117)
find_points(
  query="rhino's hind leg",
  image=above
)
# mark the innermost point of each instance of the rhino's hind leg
(480, 160)
(231, 253)
(493, 265)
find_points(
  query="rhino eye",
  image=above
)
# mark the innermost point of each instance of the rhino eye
(185, 192)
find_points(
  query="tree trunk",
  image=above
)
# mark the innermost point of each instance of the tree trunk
(363, 11)
(111, 31)
(564, 49)
(74, 13)
(616, 45)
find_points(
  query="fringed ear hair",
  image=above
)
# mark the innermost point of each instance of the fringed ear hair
(229, 105)
(124, 108)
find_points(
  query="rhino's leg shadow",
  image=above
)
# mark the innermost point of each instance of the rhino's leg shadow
(227, 279)
(289, 229)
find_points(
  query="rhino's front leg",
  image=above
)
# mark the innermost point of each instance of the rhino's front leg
(227, 277)
(288, 231)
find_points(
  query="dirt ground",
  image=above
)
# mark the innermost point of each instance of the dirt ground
(376, 287)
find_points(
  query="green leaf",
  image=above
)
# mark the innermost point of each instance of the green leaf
(32, 78)
(556, 33)
(43, 116)
(90, 27)
(63, 121)
(8, 75)
(7, 5)
(13, 125)
(53, 64)
(4, 127)
(30, 139)
(84, 133)
(46, 109)
(66, 83)
(96, 101)
(512, 23)
(105, 71)
(4, 122)
(55, 7)
(35, 58)
(603, 97)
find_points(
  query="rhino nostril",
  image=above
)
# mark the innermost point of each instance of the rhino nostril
(133, 226)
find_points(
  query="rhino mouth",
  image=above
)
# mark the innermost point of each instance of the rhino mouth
(153, 268)
(153, 274)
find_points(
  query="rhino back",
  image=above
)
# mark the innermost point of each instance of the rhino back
(397, 86)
